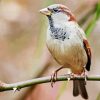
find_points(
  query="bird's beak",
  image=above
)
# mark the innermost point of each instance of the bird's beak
(45, 11)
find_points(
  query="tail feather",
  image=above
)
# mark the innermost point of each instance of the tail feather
(82, 89)
(75, 88)
(79, 88)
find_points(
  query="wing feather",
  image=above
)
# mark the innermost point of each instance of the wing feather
(88, 52)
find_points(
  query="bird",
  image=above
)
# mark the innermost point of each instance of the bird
(68, 44)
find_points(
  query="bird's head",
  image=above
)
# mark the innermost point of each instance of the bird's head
(58, 12)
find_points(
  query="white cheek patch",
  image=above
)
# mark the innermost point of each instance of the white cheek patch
(60, 17)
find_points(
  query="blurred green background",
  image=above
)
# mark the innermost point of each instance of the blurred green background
(23, 51)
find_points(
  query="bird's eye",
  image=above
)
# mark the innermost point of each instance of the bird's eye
(55, 10)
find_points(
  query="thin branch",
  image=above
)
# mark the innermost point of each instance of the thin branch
(19, 85)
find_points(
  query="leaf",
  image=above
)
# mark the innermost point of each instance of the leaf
(92, 24)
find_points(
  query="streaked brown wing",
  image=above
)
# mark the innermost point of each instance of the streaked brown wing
(88, 52)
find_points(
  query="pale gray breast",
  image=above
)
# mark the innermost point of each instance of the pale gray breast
(66, 46)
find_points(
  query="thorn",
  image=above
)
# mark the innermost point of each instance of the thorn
(68, 79)
(15, 89)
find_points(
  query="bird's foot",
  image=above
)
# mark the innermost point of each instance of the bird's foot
(54, 75)
(84, 74)
(53, 78)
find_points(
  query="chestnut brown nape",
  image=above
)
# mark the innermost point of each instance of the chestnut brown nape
(68, 12)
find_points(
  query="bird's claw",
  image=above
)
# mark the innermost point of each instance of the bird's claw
(53, 78)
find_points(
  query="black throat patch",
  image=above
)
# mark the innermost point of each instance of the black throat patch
(57, 33)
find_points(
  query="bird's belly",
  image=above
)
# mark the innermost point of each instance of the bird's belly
(68, 53)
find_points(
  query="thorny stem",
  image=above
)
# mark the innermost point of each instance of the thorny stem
(23, 84)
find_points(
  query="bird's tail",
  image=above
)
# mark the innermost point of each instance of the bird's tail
(79, 88)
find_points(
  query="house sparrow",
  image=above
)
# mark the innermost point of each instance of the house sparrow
(68, 44)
